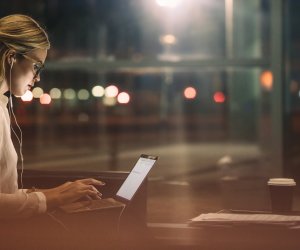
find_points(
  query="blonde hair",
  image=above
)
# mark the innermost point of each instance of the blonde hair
(22, 34)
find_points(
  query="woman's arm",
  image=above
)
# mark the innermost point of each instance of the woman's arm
(20, 205)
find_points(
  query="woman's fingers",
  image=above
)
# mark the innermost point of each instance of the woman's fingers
(90, 191)
(73, 191)
(91, 181)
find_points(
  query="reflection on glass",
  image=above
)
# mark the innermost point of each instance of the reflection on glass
(109, 101)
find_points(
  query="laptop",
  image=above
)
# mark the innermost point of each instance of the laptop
(125, 193)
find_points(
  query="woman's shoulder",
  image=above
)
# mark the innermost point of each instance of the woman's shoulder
(3, 100)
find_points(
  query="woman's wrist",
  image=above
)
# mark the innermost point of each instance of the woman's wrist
(52, 199)
(30, 190)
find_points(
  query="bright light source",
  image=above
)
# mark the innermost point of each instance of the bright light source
(190, 93)
(55, 93)
(168, 3)
(83, 94)
(37, 92)
(123, 98)
(69, 94)
(27, 97)
(111, 91)
(266, 79)
(219, 97)
(45, 99)
(98, 91)
(109, 101)
(168, 39)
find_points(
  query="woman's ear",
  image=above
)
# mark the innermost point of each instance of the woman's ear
(12, 58)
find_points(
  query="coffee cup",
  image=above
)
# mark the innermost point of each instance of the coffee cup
(281, 194)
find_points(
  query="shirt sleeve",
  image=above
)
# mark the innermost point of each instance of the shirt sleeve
(21, 204)
(42, 202)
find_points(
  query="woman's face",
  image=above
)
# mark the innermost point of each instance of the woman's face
(25, 71)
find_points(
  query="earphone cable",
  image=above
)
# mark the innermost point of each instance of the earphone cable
(20, 139)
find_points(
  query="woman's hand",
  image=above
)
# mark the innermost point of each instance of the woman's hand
(72, 191)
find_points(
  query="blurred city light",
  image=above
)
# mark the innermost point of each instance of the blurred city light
(266, 79)
(37, 92)
(123, 98)
(98, 91)
(168, 39)
(109, 101)
(219, 97)
(111, 91)
(69, 94)
(27, 97)
(83, 94)
(45, 99)
(55, 93)
(294, 86)
(168, 3)
(190, 93)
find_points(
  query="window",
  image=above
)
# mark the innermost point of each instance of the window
(189, 83)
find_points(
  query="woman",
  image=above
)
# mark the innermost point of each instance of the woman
(23, 51)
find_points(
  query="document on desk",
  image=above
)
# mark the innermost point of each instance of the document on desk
(245, 219)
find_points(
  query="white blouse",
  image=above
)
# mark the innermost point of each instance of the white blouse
(14, 202)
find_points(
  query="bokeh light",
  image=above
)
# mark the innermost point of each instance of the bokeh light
(111, 91)
(266, 79)
(37, 92)
(294, 86)
(69, 94)
(168, 39)
(98, 91)
(123, 98)
(45, 99)
(109, 101)
(27, 97)
(83, 94)
(190, 93)
(219, 97)
(55, 93)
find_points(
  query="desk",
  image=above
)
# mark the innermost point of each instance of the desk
(93, 230)
(183, 236)
(88, 230)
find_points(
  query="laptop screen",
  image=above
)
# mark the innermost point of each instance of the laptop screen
(136, 176)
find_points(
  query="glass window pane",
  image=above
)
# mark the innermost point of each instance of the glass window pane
(132, 77)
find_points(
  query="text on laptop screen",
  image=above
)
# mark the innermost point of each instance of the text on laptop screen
(135, 178)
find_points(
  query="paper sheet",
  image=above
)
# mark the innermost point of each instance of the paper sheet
(233, 218)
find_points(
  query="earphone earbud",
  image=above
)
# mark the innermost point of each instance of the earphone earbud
(12, 60)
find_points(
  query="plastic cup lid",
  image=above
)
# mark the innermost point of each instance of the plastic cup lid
(282, 182)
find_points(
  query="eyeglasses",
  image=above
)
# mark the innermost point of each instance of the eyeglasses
(37, 66)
